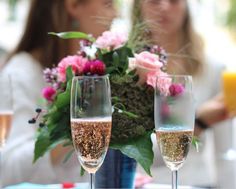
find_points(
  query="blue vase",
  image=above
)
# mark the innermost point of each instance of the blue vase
(117, 171)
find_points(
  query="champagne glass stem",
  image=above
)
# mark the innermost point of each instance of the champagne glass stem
(92, 181)
(174, 179)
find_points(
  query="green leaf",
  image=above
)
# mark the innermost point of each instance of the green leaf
(73, 35)
(130, 114)
(140, 149)
(196, 142)
(99, 54)
(61, 130)
(122, 111)
(63, 99)
(111, 69)
(42, 144)
(115, 99)
(116, 59)
(69, 73)
(82, 171)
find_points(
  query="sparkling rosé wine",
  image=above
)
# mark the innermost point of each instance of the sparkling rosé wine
(91, 139)
(174, 146)
(5, 125)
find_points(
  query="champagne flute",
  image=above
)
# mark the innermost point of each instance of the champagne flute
(174, 120)
(91, 116)
(6, 112)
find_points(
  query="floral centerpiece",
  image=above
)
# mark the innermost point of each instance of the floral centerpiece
(133, 79)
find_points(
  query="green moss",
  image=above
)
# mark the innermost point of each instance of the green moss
(137, 100)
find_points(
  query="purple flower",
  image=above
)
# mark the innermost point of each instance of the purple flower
(176, 89)
(50, 75)
(161, 53)
(94, 67)
(49, 93)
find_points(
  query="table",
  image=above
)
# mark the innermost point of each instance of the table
(86, 186)
(164, 186)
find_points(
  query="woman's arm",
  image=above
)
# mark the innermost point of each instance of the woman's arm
(211, 112)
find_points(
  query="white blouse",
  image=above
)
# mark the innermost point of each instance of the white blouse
(27, 81)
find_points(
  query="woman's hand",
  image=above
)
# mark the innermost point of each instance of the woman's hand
(211, 112)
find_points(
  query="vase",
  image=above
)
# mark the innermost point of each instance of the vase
(117, 171)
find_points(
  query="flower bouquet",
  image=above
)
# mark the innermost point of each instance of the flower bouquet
(133, 79)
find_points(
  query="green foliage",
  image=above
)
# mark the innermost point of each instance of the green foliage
(134, 108)
(231, 17)
(138, 37)
(73, 35)
(42, 143)
(132, 119)
(57, 122)
(196, 143)
(116, 61)
(138, 148)
(82, 171)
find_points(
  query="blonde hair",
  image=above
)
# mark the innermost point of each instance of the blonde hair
(192, 52)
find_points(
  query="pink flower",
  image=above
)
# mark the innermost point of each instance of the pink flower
(146, 64)
(48, 93)
(111, 40)
(165, 110)
(176, 89)
(152, 79)
(76, 62)
(160, 81)
(163, 83)
(148, 60)
(94, 67)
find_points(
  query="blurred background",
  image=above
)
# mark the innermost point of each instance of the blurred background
(214, 20)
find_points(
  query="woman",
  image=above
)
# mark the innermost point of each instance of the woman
(169, 25)
(35, 51)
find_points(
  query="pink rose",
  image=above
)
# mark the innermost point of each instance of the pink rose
(163, 83)
(160, 81)
(145, 63)
(111, 40)
(152, 79)
(48, 93)
(76, 62)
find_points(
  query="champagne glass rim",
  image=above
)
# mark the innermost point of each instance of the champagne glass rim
(91, 76)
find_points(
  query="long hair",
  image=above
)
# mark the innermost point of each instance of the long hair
(191, 52)
(45, 16)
